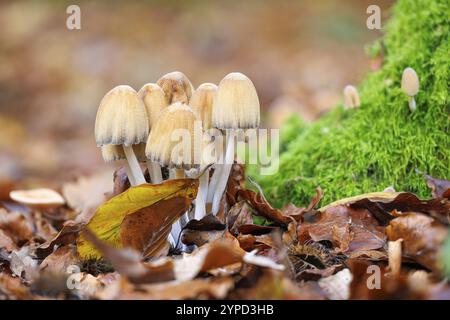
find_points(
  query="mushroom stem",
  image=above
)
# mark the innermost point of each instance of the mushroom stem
(177, 226)
(154, 169)
(129, 174)
(133, 163)
(412, 104)
(215, 177)
(225, 172)
(200, 201)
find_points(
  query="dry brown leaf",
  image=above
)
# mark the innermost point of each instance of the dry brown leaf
(422, 238)
(348, 229)
(67, 235)
(60, 260)
(16, 226)
(210, 288)
(263, 208)
(439, 188)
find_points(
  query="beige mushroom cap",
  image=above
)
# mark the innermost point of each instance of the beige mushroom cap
(202, 101)
(37, 197)
(236, 104)
(176, 86)
(351, 97)
(112, 152)
(121, 118)
(161, 144)
(155, 101)
(410, 82)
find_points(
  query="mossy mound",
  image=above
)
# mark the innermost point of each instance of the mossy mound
(380, 144)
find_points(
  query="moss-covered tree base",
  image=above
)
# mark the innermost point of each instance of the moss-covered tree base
(382, 143)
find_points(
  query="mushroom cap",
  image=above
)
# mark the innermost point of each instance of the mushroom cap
(121, 118)
(176, 86)
(351, 97)
(236, 104)
(113, 152)
(161, 144)
(410, 82)
(201, 102)
(37, 197)
(154, 100)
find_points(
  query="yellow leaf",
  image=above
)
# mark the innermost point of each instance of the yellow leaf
(107, 219)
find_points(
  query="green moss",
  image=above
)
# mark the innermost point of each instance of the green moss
(381, 144)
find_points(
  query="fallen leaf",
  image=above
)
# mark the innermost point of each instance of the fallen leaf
(67, 235)
(16, 226)
(263, 208)
(422, 238)
(126, 208)
(348, 229)
(337, 287)
(440, 188)
(298, 213)
(210, 288)
(60, 260)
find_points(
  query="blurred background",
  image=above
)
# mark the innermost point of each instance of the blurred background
(299, 54)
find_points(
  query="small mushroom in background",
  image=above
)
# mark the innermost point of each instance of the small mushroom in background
(171, 143)
(351, 97)
(38, 198)
(410, 86)
(235, 107)
(201, 103)
(122, 120)
(155, 102)
(176, 87)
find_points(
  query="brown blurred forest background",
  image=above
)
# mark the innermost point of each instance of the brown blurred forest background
(300, 54)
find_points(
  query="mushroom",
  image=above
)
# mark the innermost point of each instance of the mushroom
(235, 106)
(351, 97)
(163, 145)
(111, 152)
(155, 102)
(122, 120)
(176, 86)
(201, 103)
(38, 198)
(410, 86)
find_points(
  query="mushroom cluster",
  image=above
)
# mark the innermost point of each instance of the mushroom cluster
(169, 124)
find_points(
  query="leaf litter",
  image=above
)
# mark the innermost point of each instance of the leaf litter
(114, 245)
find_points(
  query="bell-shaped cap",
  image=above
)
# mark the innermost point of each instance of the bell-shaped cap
(202, 102)
(176, 86)
(410, 82)
(171, 140)
(121, 118)
(351, 97)
(236, 104)
(111, 152)
(154, 100)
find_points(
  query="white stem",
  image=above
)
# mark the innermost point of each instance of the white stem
(135, 169)
(213, 183)
(154, 170)
(177, 226)
(200, 203)
(129, 174)
(225, 172)
(412, 104)
(216, 175)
